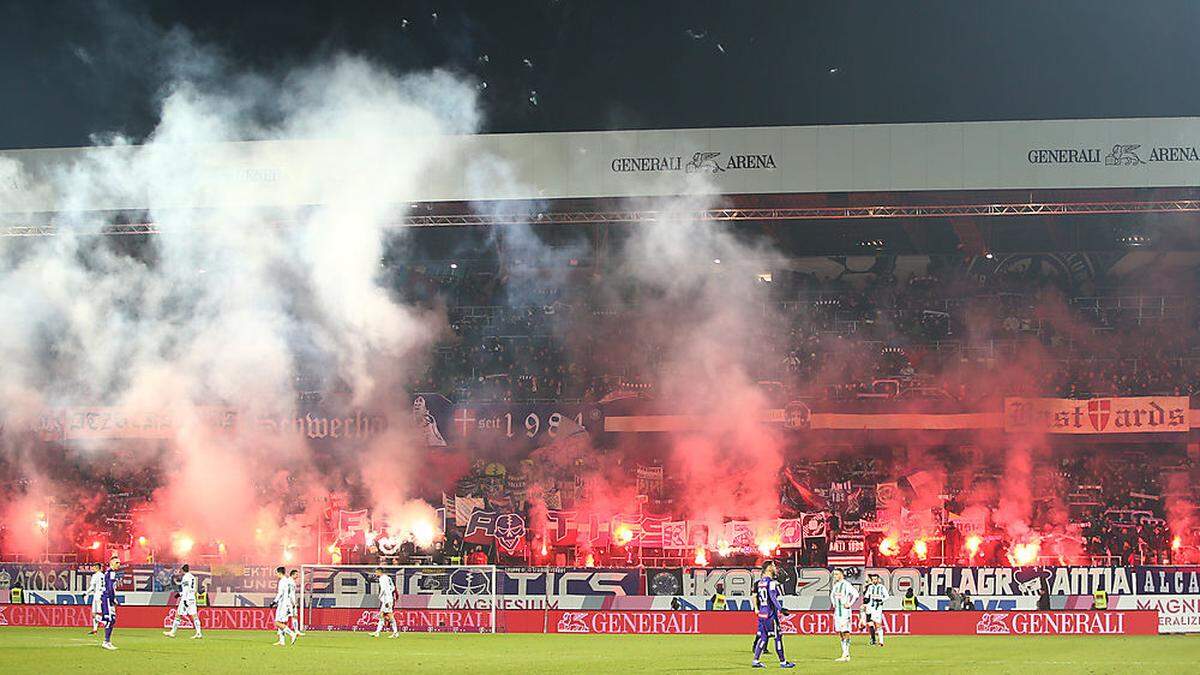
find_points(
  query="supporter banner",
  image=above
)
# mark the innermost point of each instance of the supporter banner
(500, 424)
(252, 584)
(350, 522)
(99, 422)
(703, 581)
(565, 528)
(507, 530)
(570, 528)
(74, 578)
(450, 587)
(817, 421)
(675, 534)
(981, 582)
(1142, 414)
(848, 549)
(1168, 581)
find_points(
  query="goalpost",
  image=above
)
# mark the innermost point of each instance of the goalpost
(446, 598)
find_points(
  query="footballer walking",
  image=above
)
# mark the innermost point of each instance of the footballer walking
(187, 604)
(841, 598)
(108, 601)
(285, 594)
(770, 607)
(874, 596)
(387, 589)
(95, 591)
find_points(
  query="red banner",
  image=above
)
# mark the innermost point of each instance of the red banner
(898, 623)
(63, 616)
(407, 620)
(1112, 622)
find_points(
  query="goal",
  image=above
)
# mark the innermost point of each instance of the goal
(450, 598)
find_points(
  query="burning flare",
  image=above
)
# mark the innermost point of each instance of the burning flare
(181, 544)
(972, 545)
(889, 546)
(767, 545)
(424, 532)
(1024, 554)
(920, 549)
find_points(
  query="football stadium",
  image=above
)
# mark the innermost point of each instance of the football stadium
(329, 368)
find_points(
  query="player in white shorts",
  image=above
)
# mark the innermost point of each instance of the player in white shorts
(387, 590)
(294, 619)
(841, 598)
(187, 604)
(284, 597)
(95, 590)
(873, 598)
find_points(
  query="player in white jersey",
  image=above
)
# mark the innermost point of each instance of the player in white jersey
(285, 594)
(841, 598)
(873, 598)
(95, 590)
(387, 590)
(294, 619)
(187, 604)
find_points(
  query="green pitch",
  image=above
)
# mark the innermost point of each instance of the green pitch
(61, 650)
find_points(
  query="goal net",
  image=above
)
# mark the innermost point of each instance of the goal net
(451, 598)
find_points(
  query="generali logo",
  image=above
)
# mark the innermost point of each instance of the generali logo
(992, 624)
(702, 161)
(1119, 155)
(573, 622)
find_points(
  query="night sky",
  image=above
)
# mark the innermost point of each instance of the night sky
(69, 69)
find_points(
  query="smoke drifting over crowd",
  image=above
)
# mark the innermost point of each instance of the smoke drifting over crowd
(226, 308)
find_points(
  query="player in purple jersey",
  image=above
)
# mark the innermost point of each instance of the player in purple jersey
(770, 607)
(108, 601)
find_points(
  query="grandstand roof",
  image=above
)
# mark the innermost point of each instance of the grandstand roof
(971, 156)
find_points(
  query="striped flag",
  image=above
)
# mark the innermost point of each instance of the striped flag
(847, 551)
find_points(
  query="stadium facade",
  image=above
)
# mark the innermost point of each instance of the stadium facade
(1065, 163)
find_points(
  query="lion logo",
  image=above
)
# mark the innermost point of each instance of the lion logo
(185, 621)
(1123, 154)
(704, 161)
(573, 622)
(992, 624)
(787, 625)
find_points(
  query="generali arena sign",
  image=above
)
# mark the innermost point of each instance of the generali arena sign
(1129, 415)
(1047, 154)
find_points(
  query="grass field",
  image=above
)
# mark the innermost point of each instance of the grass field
(62, 650)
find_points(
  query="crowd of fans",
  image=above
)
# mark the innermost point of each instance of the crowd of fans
(1121, 506)
(949, 331)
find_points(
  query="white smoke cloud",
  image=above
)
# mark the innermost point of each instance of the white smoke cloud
(228, 304)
